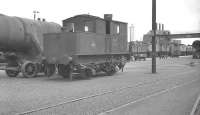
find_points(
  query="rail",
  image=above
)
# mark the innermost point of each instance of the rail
(93, 96)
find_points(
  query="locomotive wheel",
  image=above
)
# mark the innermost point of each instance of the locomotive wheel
(29, 69)
(12, 73)
(110, 70)
(86, 73)
(89, 73)
(65, 71)
(49, 69)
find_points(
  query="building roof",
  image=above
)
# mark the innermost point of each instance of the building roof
(92, 17)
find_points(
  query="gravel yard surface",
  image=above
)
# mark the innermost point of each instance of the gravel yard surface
(56, 95)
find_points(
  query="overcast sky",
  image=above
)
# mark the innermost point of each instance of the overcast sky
(179, 16)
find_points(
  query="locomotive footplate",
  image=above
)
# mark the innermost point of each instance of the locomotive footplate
(3, 66)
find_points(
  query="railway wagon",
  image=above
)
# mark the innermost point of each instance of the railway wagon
(86, 47)
(21, 44)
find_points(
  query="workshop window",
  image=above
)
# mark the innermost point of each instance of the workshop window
(86, 29)
(70, 27)
(117, 29)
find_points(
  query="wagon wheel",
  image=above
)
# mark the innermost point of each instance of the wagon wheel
(29, 69)
(65, 71)
(49, 69)
(12, 73)
(110, 70)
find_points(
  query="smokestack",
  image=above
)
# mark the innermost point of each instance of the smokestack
(163, 27)
(160, 26)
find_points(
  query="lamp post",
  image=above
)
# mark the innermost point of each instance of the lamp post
(35, 13)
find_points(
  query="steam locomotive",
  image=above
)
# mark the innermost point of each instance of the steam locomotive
(84, 45)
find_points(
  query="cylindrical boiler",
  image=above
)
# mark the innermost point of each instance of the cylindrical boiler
(24, 35)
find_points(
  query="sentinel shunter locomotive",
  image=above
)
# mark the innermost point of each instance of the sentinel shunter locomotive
(85, 45)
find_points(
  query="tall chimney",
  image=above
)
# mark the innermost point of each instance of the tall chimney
(159, 26)
(163, 27)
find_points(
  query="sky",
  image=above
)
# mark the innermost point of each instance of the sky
(178, 16)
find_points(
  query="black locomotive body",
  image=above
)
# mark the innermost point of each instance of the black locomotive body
(87, 45)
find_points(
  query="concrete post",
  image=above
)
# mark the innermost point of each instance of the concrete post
(154, 36)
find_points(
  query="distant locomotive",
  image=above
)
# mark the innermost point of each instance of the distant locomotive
(21, 44)
(196, 46)
(87, 45)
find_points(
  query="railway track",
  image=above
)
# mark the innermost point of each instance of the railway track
(147, 97)
(83, 98)
(60, 106)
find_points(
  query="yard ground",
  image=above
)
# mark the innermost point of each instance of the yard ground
(172, 90)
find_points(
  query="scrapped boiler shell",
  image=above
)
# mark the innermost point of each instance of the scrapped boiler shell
(11, 32)
(24, 35)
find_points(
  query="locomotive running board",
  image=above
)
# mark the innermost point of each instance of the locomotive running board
(3, 67)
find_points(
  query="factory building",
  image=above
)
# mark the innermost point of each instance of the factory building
(162, 43)
(166, 46)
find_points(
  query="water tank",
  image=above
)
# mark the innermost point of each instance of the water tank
(24, 35)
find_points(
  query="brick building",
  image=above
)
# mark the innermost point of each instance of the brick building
(162, 43)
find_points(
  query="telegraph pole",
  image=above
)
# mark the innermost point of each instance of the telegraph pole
(154, 36)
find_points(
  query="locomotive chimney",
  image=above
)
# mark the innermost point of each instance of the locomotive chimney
(108, 16)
